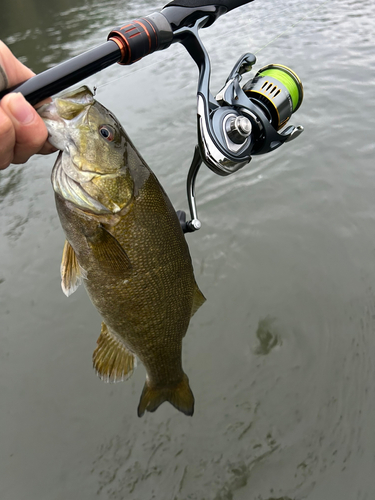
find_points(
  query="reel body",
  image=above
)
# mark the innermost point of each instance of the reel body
(248, 119)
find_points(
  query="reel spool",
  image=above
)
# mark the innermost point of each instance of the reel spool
(278, 91)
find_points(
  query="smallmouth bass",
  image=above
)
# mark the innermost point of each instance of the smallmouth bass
(125, 243)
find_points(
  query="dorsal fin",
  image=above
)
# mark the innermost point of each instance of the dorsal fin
(112, 361)
(71, 275)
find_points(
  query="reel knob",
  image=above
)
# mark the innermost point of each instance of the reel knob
(238, 129)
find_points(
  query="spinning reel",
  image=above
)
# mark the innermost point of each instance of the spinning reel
(240, 121)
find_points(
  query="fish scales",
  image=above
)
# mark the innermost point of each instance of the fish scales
(128, 250)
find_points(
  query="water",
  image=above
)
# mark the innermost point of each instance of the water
(281, 356)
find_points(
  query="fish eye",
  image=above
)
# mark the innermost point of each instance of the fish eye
(107, 132)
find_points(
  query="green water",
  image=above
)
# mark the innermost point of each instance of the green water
(281, 358)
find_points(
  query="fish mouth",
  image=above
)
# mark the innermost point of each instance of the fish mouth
(45, 111)
(54, 123)
(63, 141)
(71, 190)
(48, 112)
(57, 125)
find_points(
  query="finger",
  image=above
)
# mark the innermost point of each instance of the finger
(8, 139)
(3, 79)
(30, 130)
(14, 70)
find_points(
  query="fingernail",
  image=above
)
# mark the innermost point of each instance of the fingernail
(20, 109)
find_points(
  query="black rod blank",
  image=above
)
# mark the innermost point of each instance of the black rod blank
(64, 75)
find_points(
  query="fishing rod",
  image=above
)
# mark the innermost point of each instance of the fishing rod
(126, 45)
(232, 126)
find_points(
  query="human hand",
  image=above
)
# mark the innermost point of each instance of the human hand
(22, 131)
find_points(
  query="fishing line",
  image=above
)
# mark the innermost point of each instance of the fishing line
(167, 58)
(137, 70)
(292, 26)
(257, 19)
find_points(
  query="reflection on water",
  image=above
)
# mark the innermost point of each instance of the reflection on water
(217, 475)
(9, 183)
(267, 336)
(281, 358)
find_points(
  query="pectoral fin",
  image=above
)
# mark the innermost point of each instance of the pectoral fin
(108, 251)
(112, 361)
(198, 300)
(71, 276)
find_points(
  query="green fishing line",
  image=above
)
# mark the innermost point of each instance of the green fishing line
(286, 80)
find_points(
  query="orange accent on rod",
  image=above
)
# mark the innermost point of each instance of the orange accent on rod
(131, 49)
(148, 34)
(124, 47)
(126, 26)
(120, 45)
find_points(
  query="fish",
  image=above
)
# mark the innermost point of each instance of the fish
(124, 242)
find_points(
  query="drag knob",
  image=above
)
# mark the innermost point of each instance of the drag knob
(238, 129)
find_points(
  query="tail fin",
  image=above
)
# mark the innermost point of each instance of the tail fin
(179, 395)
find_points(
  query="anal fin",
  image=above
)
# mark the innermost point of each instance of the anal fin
(71, 275)
(111, 360)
